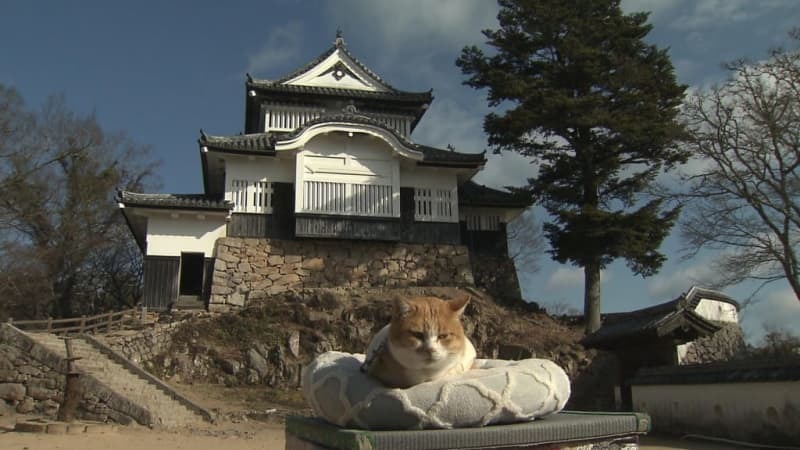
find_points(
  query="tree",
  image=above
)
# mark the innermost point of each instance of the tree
(746, 195)
(60, 225)
(595, 106)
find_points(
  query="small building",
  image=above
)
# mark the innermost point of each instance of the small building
(327, 157)
(699, 326)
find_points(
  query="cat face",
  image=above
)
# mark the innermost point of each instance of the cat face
(426, 332)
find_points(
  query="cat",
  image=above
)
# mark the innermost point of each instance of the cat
(424, 341)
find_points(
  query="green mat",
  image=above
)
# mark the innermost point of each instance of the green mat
(567, 426)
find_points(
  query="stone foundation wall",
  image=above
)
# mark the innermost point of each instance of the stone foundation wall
(723, 345)
(497, 276)
(249, 269)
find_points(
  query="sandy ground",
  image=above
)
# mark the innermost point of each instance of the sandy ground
(248, 418)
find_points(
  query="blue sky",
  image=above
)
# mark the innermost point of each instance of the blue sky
(163, 70)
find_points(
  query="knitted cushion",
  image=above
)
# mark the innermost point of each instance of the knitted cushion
(494, 392)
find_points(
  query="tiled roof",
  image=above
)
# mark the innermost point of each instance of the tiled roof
(270, 86)
(474, 194)
(258, 142)
(183, 201)
(785, 369)
(628, 329)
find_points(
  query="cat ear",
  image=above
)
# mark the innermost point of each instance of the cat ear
(459, 304)
(401, 307)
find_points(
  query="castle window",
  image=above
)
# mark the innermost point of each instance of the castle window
(250, 196)
(289, 118)
(435, 205)
(479, 222)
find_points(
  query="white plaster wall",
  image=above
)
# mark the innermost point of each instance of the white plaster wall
(188, 232)
(735, 410)
(338, 157)
(238, 167)
(428, 177)
(717, 310)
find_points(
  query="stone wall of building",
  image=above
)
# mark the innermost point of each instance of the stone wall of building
(248, 269)
(497, 276)
(720, 346)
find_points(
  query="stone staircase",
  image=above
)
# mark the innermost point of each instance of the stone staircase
(166, 407)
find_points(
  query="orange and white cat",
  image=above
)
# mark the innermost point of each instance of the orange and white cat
(424, 341)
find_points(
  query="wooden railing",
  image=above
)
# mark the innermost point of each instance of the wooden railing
(84, 324)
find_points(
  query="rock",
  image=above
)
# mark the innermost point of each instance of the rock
(236, 299)
(7, 410)
(294, 343)
(25, 407)
(40, 393)
(230, 366)
(257, 362)
(14, 392)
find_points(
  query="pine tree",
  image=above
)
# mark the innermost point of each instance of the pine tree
(579, 90)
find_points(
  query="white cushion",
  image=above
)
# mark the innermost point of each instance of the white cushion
(493, 392)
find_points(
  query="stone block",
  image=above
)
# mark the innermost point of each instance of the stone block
(217, 289)
(14, 392)
(228, 257)
(41, 393)
(244, 267)
(313, 264)
(287, 280)
(291, 259)
(275, 260)
(236, 299)
(7, 376)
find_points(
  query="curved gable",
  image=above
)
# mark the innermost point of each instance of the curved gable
(302, 137)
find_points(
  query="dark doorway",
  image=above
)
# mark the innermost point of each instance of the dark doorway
(191, 273)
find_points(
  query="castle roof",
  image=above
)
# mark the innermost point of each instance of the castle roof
(675, 319)
(474, 194)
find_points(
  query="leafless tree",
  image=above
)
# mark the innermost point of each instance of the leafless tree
(527, 241)
(59, 173)
(745, 196)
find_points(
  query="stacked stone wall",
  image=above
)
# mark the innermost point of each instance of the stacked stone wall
(28, 385)
(143, 346)
(723, 345)
(33, 378)
(247, 269)
(497, 276)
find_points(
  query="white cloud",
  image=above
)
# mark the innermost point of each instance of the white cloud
(418, 25)
(570, 277)
(777, 310)
(281, 47)
(716, 13)
(666, 287)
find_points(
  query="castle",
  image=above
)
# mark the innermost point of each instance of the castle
(326, 187)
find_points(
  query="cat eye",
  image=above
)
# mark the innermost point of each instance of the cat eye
(418, 335)
(444, 336)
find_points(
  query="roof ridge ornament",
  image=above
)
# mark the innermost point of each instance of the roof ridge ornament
(350, 108)
(339, 41)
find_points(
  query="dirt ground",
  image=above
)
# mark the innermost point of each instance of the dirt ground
(248, 418)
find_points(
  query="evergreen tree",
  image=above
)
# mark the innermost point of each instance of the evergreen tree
(581, 92)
